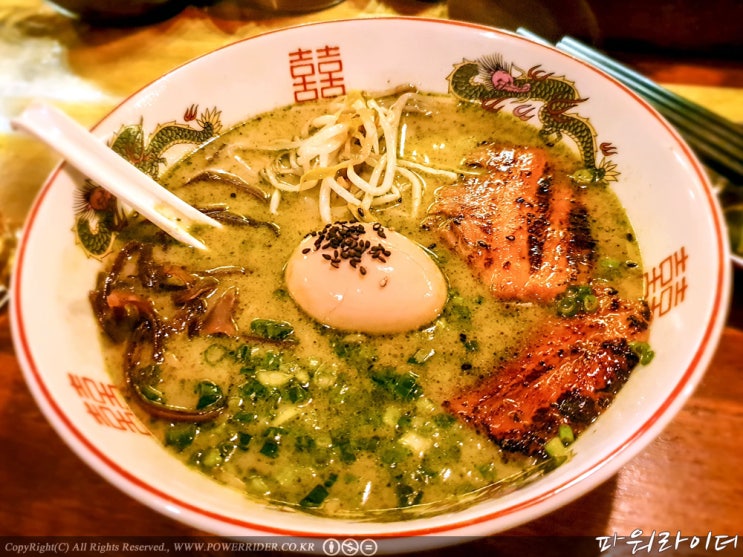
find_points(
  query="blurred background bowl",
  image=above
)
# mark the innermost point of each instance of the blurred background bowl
(119, 13)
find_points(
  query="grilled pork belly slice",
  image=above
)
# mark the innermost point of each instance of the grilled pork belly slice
(568, 373)
(522, 228)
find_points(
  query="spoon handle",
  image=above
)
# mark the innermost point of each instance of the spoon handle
(92, 157)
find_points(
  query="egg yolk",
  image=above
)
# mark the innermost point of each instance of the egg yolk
(362, 277)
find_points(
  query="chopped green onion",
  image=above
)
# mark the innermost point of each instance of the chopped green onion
(285, 414)
(211, 458)
(273, 379)
(404, 422)
(271, 329)
(608, 267)
(297, 393)
(471, 345)
(444, 420)
(254, 390)
(209, 393)
(244, 417)
(407, 386)
(404, 385)
(565, 434)
(643, 351)
(226, 449)
(418, 444)
(271, 360)
(319, 493)
(304, 443)
(281, 294)
(576, 299)
(272, 443)
(488, 471)
(421, 356)
(590, 303)
(180, 435)
(270, 448)
(243, 440)
(151, 393)
(555, 448)
(567, 307)
(215, 353)
(457, 309)
(395, 454)
(243, 353)
(345, 449)
(316, 497)
(359, 354)
(408, 496)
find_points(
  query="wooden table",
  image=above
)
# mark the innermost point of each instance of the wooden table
(690, 480)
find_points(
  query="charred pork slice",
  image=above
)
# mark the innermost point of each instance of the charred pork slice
(522, 229)
(568, 374)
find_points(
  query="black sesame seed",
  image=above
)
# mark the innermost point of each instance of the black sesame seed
(344, 239)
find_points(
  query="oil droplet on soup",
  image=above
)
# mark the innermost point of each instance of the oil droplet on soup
(364, 278)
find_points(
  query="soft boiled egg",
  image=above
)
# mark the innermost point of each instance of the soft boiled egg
(362, 277)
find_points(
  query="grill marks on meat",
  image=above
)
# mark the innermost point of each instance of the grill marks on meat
(568, 374)
(523, 230)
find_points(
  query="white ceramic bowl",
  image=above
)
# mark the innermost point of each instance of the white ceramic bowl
(661, 184)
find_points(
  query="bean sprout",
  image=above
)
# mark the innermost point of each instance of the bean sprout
(351, 153)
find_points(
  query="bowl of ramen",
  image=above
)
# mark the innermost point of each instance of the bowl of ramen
(455, 287)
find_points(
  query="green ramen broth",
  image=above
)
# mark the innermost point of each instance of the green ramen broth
(335, 422)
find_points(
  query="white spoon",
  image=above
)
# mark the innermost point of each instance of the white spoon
(92, 157)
